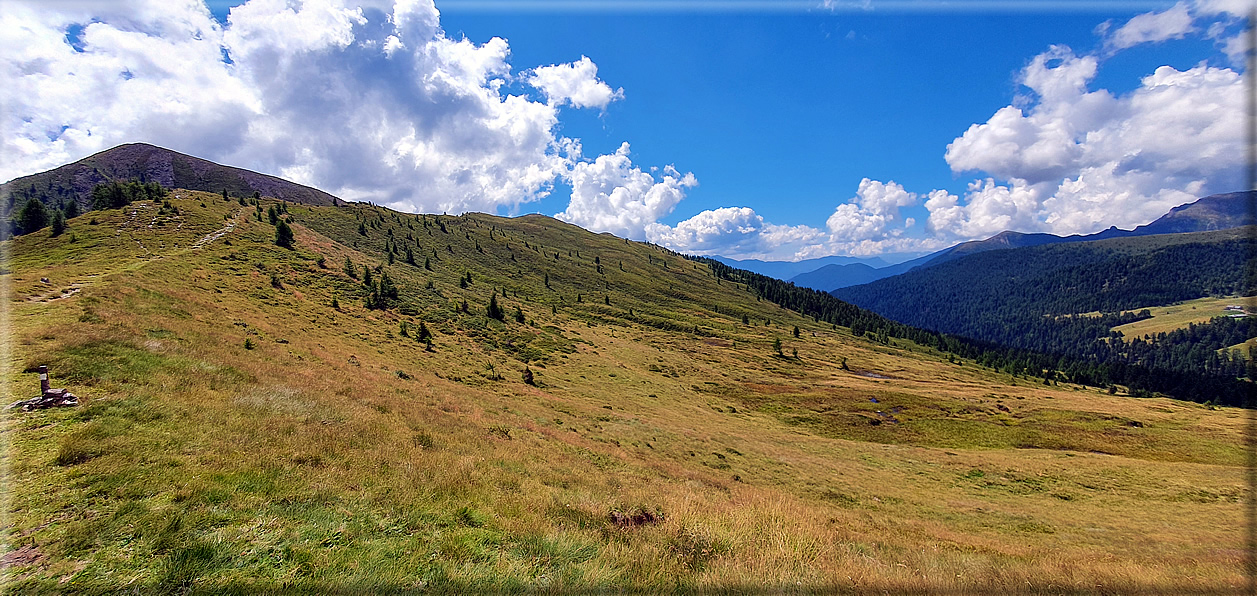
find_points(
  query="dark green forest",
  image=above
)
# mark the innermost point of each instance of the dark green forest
(1035, 298)
(1179, 365)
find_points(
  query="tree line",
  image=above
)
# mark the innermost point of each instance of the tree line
(1143, 374)
(34, 215)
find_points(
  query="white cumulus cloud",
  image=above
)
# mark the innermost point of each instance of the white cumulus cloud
(370, 102)
(610, 194)
(1152, 27)
(732, 231)
(865, 225)
(575, 83)
(1078, 161)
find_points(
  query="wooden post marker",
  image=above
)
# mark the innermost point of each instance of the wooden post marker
(48, 397)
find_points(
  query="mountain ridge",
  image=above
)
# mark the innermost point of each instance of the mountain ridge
(172, 169)
(1211, 213)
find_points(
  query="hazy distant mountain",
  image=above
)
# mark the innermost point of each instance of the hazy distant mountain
(150, 163)
(1214, 212)
(1211, 213)
(788, 269)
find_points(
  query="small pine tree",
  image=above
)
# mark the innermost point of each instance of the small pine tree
(225, 197)
(527, 376)
(423, 334)
(746, 320)
(71, 210)
(777, 346)
(248, 343)
(494, 311)
(427, 264)
(350, 270)
(335, 303)
(405, 332)
(362, 228)
(58, 223)
(519, 315)
(366, 276)
(796, 330)
(547, 281)
(283, 235)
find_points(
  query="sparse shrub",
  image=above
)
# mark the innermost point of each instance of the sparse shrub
(500, 430)
(423, 439)
(469, 517)
(519, 315)
(248, 344)
(695, 547)
(527, 376)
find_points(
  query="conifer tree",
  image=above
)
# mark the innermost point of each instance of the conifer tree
(283, 235)
(58, 223)
(495, 311)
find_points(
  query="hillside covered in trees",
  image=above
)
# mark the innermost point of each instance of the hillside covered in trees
(1065, 298)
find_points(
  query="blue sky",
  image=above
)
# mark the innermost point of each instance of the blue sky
(790, 132)
(787, 112)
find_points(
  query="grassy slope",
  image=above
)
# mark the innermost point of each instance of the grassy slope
(1178, 316)
(338, 455)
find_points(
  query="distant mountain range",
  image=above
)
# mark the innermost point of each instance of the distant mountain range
(1211, 213)
(74, 181)
(786, 270)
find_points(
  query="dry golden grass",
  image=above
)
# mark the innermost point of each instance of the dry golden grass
(312, 463)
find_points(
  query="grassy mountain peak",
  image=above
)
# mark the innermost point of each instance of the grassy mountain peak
(145, 162)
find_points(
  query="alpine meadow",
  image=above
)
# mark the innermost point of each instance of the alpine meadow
(577, 297)
(533, 407)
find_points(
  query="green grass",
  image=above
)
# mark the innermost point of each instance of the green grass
(339, 456)
(1178, 316)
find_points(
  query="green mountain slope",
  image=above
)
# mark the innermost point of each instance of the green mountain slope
(249, 425)
(1026, 297)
